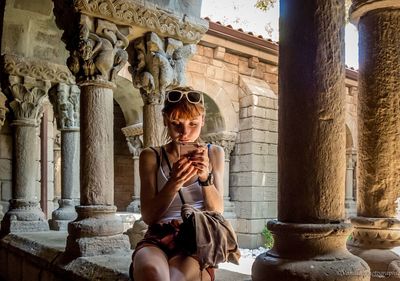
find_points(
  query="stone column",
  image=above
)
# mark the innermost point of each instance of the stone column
(158, 64)
(28, 95)
(65, 100)
(135, 144)
(57, 168)
(3, 111)
(349, 194)
(377, 227)
(310, 234)
(227, 141)
(95, 60)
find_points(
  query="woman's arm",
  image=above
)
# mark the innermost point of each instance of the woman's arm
(213, 194)
(154, 204)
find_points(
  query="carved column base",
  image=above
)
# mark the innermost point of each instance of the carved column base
(375, 233)
(96, 231)
(137, 232)
(309, 252)
(63, 215)
(373, 240)
(134, 206)
(23, 216)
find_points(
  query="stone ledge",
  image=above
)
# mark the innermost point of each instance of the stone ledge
(40, 257)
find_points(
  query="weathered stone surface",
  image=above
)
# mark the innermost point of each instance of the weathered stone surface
(37, 69)
(311, 151)
(136, 14)
(377, 227)
(136, 233)
(5, 169)
(6, 190)
(100, 53)
(253, 179)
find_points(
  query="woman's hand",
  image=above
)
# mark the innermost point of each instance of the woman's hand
(181, 172)
(201, 162)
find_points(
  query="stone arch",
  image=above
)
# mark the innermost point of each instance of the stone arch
(214, 121)
(128, 108)
(130, 101)
(224, 97)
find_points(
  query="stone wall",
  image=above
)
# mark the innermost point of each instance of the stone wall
(29, 30)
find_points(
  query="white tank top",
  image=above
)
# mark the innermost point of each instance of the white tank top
(192, 193)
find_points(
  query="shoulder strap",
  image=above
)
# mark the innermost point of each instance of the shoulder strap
(157, 155)
(164, 153)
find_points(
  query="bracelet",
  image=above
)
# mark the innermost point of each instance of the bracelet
(209, 181)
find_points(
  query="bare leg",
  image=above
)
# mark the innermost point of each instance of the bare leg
(150, 264)
(183, 268)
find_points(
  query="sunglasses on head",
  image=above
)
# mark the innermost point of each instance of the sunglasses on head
(191, 96)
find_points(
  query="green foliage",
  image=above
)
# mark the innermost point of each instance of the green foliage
(268, 238)
(349, 238)
(264, 5)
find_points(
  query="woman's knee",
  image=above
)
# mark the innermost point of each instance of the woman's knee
(150, 263)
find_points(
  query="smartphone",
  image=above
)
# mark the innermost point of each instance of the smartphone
(188, 148)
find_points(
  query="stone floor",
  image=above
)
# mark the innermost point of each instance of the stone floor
(39, 256)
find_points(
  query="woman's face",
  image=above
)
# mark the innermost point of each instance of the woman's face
(186, 130)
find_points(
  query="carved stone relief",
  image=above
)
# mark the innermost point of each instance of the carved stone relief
(224, 139)
(3, 108)
(133, 136)
(100, 53)
(65, 100)
(28, 97)
(37, 69)
(159, 64)
(147, 16)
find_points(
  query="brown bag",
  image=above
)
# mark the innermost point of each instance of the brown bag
(209, 236)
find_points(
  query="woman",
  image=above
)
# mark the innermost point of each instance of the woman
(163, 172)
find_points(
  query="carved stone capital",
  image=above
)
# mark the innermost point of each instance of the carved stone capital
(28, 96)
(99, 53)
(224, 139)
(360, 7)
(147, 16)
(133, 130)
(133, 134)
(37, 69)
(135, 145)
(375, 233)
(3, 108)
(158, 64)
(65, 100)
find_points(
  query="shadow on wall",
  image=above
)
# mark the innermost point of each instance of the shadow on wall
(214, 121)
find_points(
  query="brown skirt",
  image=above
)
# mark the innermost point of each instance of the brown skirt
(163, 236)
